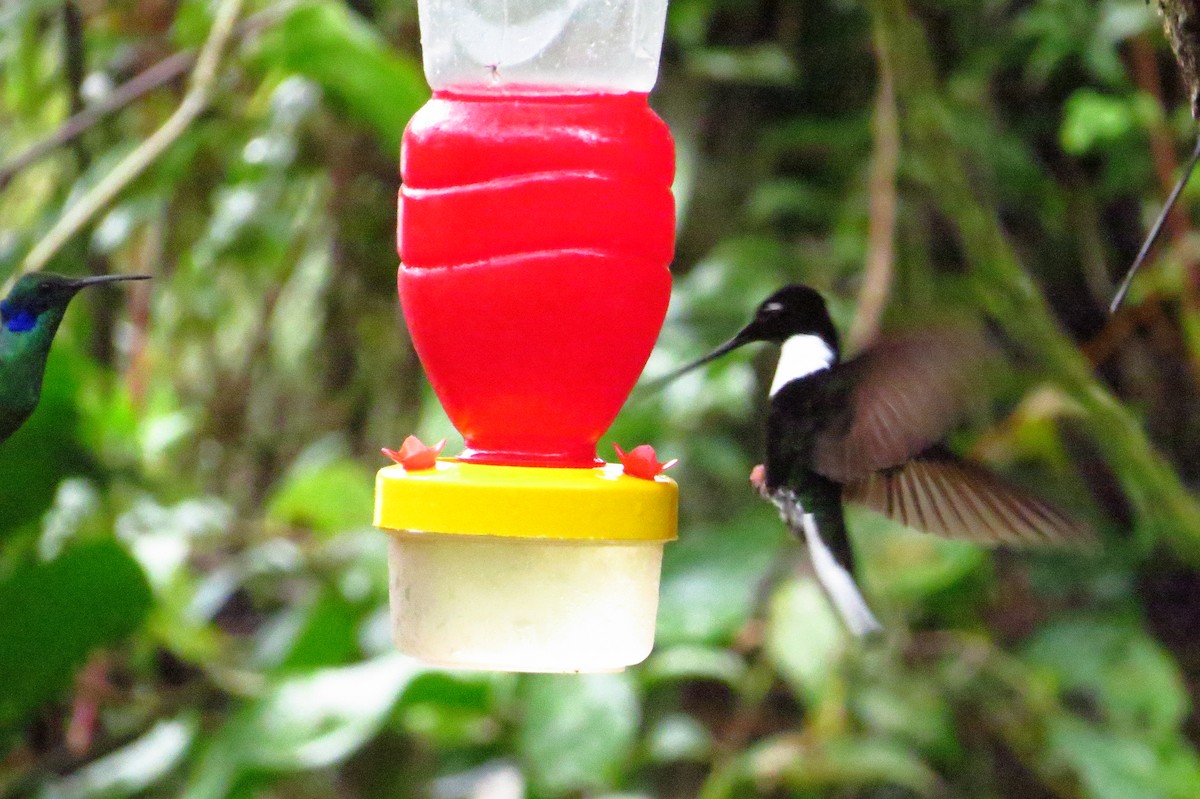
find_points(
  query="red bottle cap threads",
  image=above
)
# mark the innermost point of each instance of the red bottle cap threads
(535, 234)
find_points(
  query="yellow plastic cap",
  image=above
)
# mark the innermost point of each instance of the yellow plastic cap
(600, 504)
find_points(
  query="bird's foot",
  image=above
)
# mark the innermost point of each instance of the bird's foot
(758, 479)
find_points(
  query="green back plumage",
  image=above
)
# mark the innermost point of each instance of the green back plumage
(29, 319)
(22, 364)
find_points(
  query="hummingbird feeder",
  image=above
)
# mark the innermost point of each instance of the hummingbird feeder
(536, 226)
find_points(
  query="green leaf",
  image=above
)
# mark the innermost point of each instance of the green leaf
(311, 721)
(322, 717)
(723, 289)
(810, 767)
(327, 634)
(679, 737)
(712, 576)
(788, 198)
(1112, 766)
(866, 762)
(578, 730)
(911, 709)
(804, 637)
(327, 497)
(471, 690)
(453, 709)
(46, 448)
(52, 614)
(336, 49)
(686, 662)
(1092, 120)
(1134, 680)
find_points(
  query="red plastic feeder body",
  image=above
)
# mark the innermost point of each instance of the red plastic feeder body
(535, 234)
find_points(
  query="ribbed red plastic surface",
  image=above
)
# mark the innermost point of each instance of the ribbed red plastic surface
(535, 235)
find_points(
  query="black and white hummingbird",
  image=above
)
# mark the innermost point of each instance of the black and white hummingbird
(867, 430)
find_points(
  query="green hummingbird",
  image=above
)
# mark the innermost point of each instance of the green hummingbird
(29, 318)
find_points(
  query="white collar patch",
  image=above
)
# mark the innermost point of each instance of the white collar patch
(801, 356)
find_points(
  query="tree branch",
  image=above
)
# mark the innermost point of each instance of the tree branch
(134, 164)
(74, 54)
(153, 77)
(141, 84)
(881, 233)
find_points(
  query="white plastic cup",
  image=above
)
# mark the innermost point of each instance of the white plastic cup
(531, 605)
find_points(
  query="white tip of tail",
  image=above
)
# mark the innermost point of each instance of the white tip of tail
(838, 583)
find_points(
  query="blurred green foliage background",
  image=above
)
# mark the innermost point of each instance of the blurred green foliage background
(193, 603)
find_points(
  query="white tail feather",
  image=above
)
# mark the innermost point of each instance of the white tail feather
(838, 583)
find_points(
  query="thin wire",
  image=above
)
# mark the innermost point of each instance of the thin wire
(1157, 229)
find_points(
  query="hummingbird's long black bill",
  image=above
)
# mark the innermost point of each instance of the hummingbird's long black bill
(1156, 229)
(84, 282)
(745, 336)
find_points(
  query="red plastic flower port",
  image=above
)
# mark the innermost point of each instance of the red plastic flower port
(414, 455)
(641, 461)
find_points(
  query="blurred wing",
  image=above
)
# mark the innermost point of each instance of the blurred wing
(954, 499)
(897, 399)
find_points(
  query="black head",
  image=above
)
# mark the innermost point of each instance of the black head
(794, 310)
(41, 292)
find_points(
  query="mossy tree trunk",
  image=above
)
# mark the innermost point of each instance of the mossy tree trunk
(1164, 506)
